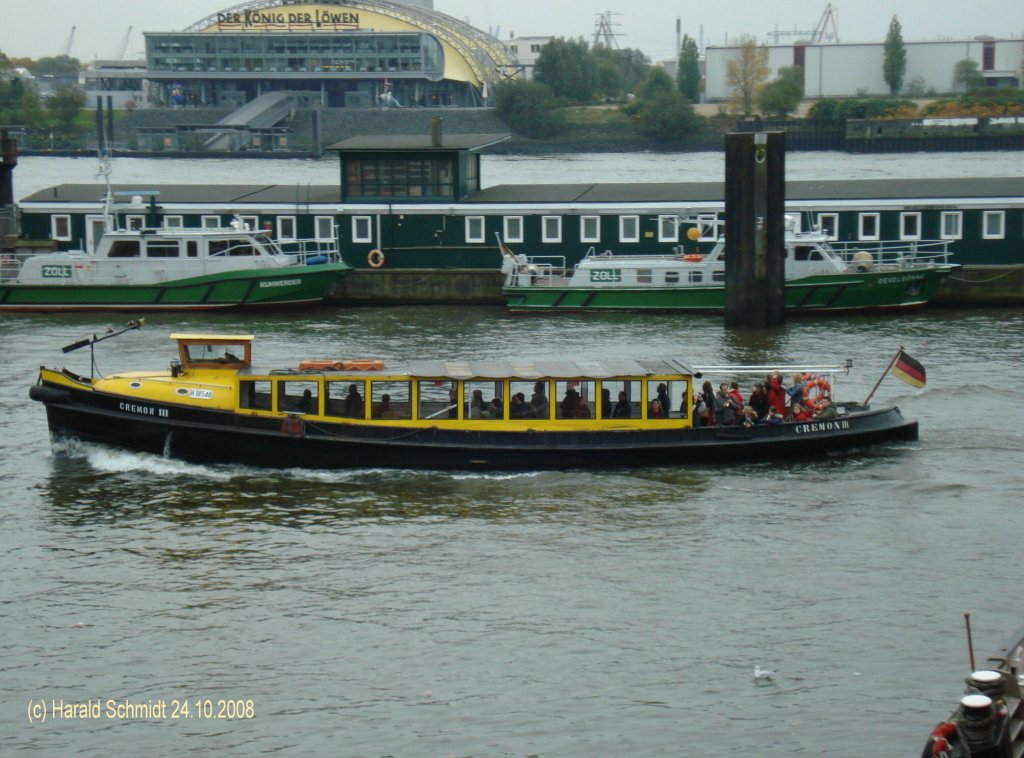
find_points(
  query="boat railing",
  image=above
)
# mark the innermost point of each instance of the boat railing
(10, 265)
(543, 270)
(894, 253)
(307, 249)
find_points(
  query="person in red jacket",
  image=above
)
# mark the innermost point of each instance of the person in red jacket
(777, 393)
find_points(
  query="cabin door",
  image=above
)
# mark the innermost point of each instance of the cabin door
(94, 227)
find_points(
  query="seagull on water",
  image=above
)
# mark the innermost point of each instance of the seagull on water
(763, 673)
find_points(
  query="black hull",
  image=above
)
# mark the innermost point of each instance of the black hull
(221, 437)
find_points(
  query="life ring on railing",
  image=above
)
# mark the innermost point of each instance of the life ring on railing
(821, 390)
(375, 258)
(693, 258)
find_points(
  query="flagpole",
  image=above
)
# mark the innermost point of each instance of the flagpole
(887, 368)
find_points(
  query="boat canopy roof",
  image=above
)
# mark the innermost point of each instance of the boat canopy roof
(212, 338)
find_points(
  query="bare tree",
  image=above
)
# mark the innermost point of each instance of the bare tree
(746, 74)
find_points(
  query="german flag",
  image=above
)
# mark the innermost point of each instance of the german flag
(908, 370)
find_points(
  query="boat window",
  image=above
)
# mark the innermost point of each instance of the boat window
(718, 276)
(60, 227)
(528, 400)
(551, 228)
(249, 222)
(173, 222)
(193, 248)
(219, 354)
(910, 226)
(629, 228)
(952, 225)
(161, 249)
(438, 399)
(868, 226)
(675, 390)
(479, 400)
(828, 223)
(806, 253)
(135, 223)
(324, 226)
(993, 225)
(286, 227)
(211, 222)
(622, 399)
(231, 247)
(576, 399)
(361, 229)
(668, 228)
(474, 228)
(696, 277)
(644, 276)
(298, 396)
(346, 398)
(671, 277)
(254, 394)
(513, 229)
(124, 249)
(590, 228)
(390, 400)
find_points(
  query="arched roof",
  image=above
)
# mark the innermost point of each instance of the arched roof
(483, 54)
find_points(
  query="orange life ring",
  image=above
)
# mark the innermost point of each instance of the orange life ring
(367, 364)
(375, 258)
(693, 258)
(820, 387)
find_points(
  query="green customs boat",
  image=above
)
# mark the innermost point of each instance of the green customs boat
(822, 276)
(173, 269)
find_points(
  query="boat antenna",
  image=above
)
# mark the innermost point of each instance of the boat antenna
(970, 642)
(91, 342)
(884, 374)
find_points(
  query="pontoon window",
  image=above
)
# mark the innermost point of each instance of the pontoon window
(250, 223)
(298, 396)
(390, 400)
(135, 223)
(211, 222)
(590, 228)
(952, 225)
(161, 249)
(992, 225)
(346, 398)
(828, 223)
(438, 399)
(910, 226)
(173, 222)
(629, 228)
(60, 227)
(255, 394)
(575, 399)
(668, 228)
(286, 227)
(474, 228)
(124, 249)
(678, 400)
(324, 226)
(868, 227)
(551, 228)
(622, 399)
(362, 231)
(524, 402)
(513, 228)
(479, 400)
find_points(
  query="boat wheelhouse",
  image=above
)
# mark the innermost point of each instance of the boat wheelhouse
(213, 405)
(821, 276)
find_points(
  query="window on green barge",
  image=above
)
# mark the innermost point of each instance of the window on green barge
(390, 400)
(438, 399)
(255, 394)
(298, 396)
(575, 399)
(622, 399)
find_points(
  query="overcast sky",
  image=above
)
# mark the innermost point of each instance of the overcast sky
(38, 28)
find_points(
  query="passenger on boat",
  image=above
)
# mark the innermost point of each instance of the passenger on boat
(353, 407)
(656, 411)
(569, 402)
(727, 412)
(774, 417)
(305, 403)
(582, 409)
(777, 393)
(606, 403)
(453, 403)
(666, 404)
(759, 401)
(495, 410)
(539, 401)
(707, 394)
(384, 408)
(735, 394)
(622, 408)
(826, 410)
(517, 407)
(800, 413)
(477, 407)
(796, 392)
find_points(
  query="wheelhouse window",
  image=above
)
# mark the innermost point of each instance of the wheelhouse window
(577, 399)
(286, 227)
(255, 394)
(671, 393)
(345, 398)
(868, 227)
(590, 228)
(513, 228)
(474, 228)
(203, 354)
(483, 399)
(671, 277)
(952, 225)
(910, 226)
(528, 400)
(438, 399)
(806, 253)
(828, 223)
(629, 228)
(231, 247)
(993, 225)
(718, 275)
(668, 228)
(551, 228)
(323, 227)
(124, 249)
(298, 396)
(696, 277)
(362, 230)
(162, 249)
(60, 228)
(174, 222)
(211, 222)
(390, 400)
(644, 276)
(620, 398)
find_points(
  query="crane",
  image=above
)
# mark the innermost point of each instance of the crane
(124, 44)
(71, 39)
(819, 34)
